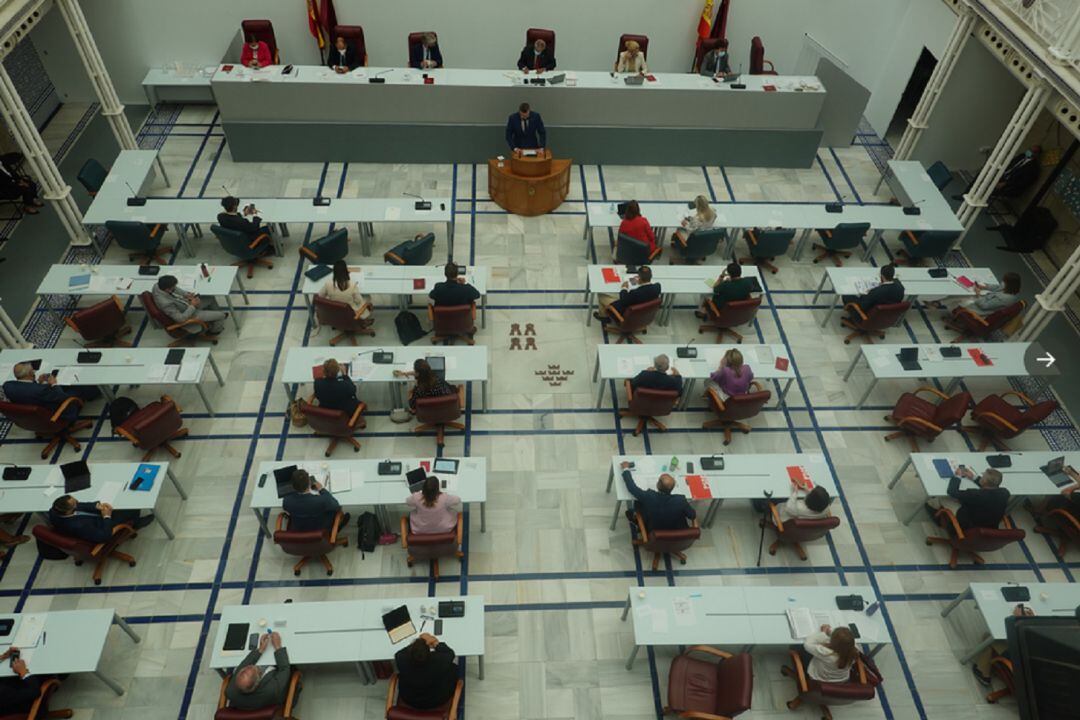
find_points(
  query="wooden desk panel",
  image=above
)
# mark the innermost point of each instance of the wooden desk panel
(528, 196)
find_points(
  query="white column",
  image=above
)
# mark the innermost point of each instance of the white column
(40, 161)
(1052, 299)
(1066, 50)
(10, 337)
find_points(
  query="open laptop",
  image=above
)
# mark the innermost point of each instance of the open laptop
(438, 366)
(76, 476)
(1055, 470)
(283, 479)
(634, 79)
(909, 358)
(734, 77)
(398, 624)
(415, 479)
(556, 79)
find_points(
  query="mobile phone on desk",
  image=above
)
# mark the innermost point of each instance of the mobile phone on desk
(438, 627)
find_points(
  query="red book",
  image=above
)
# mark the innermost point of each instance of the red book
(798, 476)
(650, 78)
(768, 88)
(965, 281)
(979, 357)
(611, 275)
(426, 464)
(419, 283)
(317, 372)
(782, 364)
(699, 487)
(429, 80)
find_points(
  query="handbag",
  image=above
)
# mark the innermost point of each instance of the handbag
(296, 414)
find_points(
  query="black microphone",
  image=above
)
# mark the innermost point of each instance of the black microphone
(16, 472)
(421, 203)
(134, 200)
(913, 208)
(686, 351)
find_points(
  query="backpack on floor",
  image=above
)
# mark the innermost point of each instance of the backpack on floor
(368, 531)
(120, 410)
(408, 327)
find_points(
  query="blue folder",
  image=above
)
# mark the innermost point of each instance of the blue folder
(944, 469)
(144, 476)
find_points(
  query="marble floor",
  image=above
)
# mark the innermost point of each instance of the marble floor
(551, 572)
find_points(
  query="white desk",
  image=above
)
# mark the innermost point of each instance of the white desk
(695, 280)
(349, 631)
(744, 477)
(370, 488)
(79, 638)
(1008, 360)
(744, 617)
(125, 281)
(118, 366)
(1054, 599)
(464, 363)
(1023, 479)
(399, 281)
(36, 493)
(195, 84)
(623, 362)
(916, 281)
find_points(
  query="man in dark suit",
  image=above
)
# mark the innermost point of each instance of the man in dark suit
(887, 292)
(537, 57)
(233, 220)
(716, 62)
(45, 392)
(454, 290)
(18, 692)
(342, 58)
(254, 688)
(310, 511)
(335, 390)
(92, 522)
(525, 130)
(426, 54)
(982, 507)
(729, 287)
(644, 291)
(427, 673)
(657, 377)
(660, 509)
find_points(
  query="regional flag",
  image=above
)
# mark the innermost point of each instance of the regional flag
(704, 26)
(313, 24)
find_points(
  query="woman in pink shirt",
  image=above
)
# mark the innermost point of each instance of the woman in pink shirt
(733, 377)
(255, 54)
(431, 509)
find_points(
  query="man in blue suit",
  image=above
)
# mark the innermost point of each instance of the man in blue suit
(661, 508)
(426, 54)
(44, 392)
(92, 522)
(525, 130)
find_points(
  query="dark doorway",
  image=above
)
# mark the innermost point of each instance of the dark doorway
(920, 76)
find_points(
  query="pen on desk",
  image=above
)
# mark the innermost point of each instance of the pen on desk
(422, 626)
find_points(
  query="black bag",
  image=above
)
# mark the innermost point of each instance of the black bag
(49, 552)
(120, 410)
(367, 534)
(408, 327)
(1031, 232)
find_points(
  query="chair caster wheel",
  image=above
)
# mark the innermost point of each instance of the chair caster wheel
(745, 432)
(296, 573)
(329, 572)
(727, 442)
(356, 449)
(131, 564)
(78, 563)
(682, 561)
(772, 552)
(98, 581)
(326, 454)
(928, 543)
(847, 342)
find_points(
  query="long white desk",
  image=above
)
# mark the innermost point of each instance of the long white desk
(1055, 599)
(744, 477)
(79, 638)
(109, 482)
(745, 617)
(190, 83)
(125, 281)
(349, 631)
(623, 362)
(674, 280)
(118, 366)
(367, 487)
(464, 363)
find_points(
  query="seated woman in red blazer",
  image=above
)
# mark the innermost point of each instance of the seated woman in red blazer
(256, 54)
(636, 226)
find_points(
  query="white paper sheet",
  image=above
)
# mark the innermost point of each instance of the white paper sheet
(29, 632)
(109, 491)
(189, 372)
(393, 213)
(684, 611)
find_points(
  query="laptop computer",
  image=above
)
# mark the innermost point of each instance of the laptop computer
(556, 79)
(415, 479)
(76, 476)
(447, 466)
(634, 79)
(909, 358)
(283, 479)
(398, 624)
(1055, 470)
(438, 366)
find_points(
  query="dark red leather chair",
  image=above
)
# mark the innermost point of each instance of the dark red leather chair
(1063, 526)
(642, 40)
(918, 418)
(45, 423)
(1002, 668)
(449, 322)
(176, 330)
(273, 712)
(534, 34)
(733, 314)
(737, 407)
(636, 320)
(39, 709)
(397, 710)
(666, 542)
(707, 689)
(101, 325)
(334, 423)
(82, 551)
(997, 420)
(440, 412)
(646, 405)
(262, 30)
(973, 540)
(796, 531)
(860, 687)
(353, 34)
(758, 62)
(309, 544)
(341, 316)
(973, 326)
(154, 426)
(431, 546)
(875, 322)
(703, 47)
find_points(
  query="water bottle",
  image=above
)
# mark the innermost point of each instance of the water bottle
(674, 463)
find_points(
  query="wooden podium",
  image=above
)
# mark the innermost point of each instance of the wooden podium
(528, 185)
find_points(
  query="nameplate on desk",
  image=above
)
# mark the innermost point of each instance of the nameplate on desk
(377, 80)
(136, 201)
(320, 201)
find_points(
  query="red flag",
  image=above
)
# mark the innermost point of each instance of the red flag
(313, 24)
(704, 27)
(327, 18)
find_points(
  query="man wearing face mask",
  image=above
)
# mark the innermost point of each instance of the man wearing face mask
(715, 63)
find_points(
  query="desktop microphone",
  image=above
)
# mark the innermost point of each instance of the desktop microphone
(421, 203)
(320, 201)
(913, 208)
(686, 351)
(134, 200)
(16, 472)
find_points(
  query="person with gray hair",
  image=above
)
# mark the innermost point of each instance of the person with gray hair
(180, 306)
(45, 392)
(661, 376)
(425, 54)
(253, 687)
(661, 509)
(983, 506)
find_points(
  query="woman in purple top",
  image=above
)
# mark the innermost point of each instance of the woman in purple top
(732, 377)
(431, 509)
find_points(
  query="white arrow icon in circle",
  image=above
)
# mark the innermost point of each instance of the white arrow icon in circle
(1048, 359)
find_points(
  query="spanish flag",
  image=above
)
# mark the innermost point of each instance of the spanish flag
(313, 24)
(704, 26)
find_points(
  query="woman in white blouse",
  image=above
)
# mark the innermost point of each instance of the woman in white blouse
(340, 288)
(832, 652)
(702, 219)
(631, 60)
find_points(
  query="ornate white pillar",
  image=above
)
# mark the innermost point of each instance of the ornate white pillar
(1052, 299)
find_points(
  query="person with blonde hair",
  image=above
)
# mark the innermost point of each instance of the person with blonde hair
(702, 218)
(631, 60)
(733, 377)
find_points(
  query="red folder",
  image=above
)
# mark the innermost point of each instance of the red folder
(768, 88)
(317, 372)
(782, 364)
(611, 275)
(699, 487)
(650, 78)
(965, 281)
(426, 464)
(979, 357)
(419, 283)
(798, 476)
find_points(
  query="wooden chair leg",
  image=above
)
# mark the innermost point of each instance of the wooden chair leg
(299, 566)
(773, 548)
(681, 556)
(659, 425)
(327, 564)
(59, 714)
(53, 442)
(826, 713)
(799, 550)
(795, 703)
(355, 443)
(727, 434)
(640, 427)
(330, 447)
(440, 435)
(124, 557)
(435, 568)
(655, 561)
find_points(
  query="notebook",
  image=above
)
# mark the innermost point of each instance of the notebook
(979, 357)
(611, 275)
(283, 479)
(398, 624)
(797, 474)
(78, 280)
(236, 637)
(76, 476)
(144, 477)
(699, 487)
(944, 468)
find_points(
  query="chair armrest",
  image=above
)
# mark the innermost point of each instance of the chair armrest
(947, 514)
(750, 236)
(772, 69)
(460, 527)
(712, 309)
(1007, 523)
(709, 650)
(862, 670)
(757, 384)
(357, 413)
(1068, 518)
(643, 532)
(680, 239)
(800, 671)
(431, 313)
(826, 233)
(46, 687)
(998, 418)
(261, 239)
(472, 307)
(655, 253)
(920, 421)
(391, 692)
(338, 517)
(119, 305)
(155, 230)
(360, 311)
(1000, 661)
(307, 252)
(120, 533)
(932, 391)
(629, 390)
(64, 406)
(294, 688)
(394, 257)
(189, 321)
(1019, 395)
(281, 519)
(911, 237)
(857, 309)
(222, 700)
(123, 432)
(456, 699)
(461, 396)
(311, 400)
(776, 518)
(404, 532)
(616, 314)
(697, 715)
(711, 392)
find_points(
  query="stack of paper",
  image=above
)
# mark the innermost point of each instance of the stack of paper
(29, 632)
(393, 213)
(340, 481)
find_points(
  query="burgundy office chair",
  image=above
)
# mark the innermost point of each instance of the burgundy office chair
(636, 320)
(534, 34)
(703, 48)
(918, 418)
(334, 423)
(39, 710)
(83, 551)
(757, 58)
(178, 330)
(355, 35)
(875, 322)
(796, 531)
(733, 314)
(310, 543)
(737, 407)
(154, 427)
(996, 420)
(272, 712)
(974, 540)
(440, 412)
(646, 405)
(431, 546)
(101, 325)
(398, 710)
(263, 31)
(45, 423)
(666, 542)
(641, 40)
(450, 322)
(973, 326)
(1063, 526)
(341, 316)
(720, 687)
(860, 687)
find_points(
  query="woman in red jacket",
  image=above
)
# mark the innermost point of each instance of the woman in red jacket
(255, 54)
(636, 226)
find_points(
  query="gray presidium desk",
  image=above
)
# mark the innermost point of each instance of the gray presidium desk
(315, 114)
